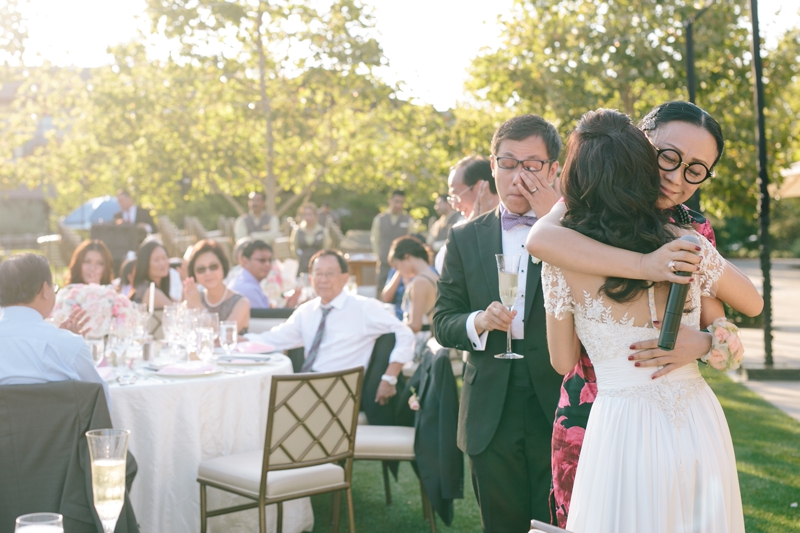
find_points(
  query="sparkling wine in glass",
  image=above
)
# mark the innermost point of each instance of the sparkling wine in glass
(108, 450)
(508, 276)
(228, 335)
(40, 523)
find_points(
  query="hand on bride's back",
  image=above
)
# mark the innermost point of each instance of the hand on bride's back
(656, 266)
(690, 345)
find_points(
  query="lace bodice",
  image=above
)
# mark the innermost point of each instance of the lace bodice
(607, 339)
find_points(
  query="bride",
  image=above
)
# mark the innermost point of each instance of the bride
(657, 454)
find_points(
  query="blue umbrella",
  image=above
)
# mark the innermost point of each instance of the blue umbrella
(95, 211)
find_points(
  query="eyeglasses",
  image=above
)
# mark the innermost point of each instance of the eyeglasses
(531, 165)
(55, 288)
(327, 274)
(261, 260)
(213, 267)
(456, 198)
(694, 173)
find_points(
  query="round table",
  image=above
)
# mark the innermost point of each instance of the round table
(176, 423)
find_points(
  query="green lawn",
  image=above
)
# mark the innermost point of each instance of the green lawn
(767, 443)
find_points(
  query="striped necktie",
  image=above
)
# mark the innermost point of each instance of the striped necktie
(312, 353)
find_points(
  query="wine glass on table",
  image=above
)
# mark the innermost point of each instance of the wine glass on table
(508, 276)
(40, 523)
(228, 335)
(108, 449)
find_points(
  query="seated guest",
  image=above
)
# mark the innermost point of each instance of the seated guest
(207, 268)
(152, 266)
(338, 330)
(393, 292)
(411, 258)
(132, 214)
(126, 277)
(91, 263)
(309, 237)
(35, 351)
(256, 262)
(237, 258)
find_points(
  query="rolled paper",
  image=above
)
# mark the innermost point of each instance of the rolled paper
(152, 303)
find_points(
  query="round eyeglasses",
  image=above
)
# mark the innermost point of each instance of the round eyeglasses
(694, 173)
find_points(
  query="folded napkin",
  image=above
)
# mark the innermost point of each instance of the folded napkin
(253, 347)
(187, 369)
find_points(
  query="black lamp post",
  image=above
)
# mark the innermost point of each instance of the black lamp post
(694, 201)
(763, 183)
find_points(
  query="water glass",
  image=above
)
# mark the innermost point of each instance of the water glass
(108, 450)
(228, 335)
(98, 349)
(205, 343)
(40, 523)
(209, 320)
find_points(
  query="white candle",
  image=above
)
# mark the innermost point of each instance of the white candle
(151, 306)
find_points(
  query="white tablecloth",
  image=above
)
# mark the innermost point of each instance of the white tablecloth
(177, 424)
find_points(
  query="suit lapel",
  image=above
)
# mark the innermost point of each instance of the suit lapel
(531, 285)
(490, 243)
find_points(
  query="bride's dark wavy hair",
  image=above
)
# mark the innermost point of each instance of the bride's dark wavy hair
(611, 184)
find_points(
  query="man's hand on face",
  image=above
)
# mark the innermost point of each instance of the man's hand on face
(541, 195)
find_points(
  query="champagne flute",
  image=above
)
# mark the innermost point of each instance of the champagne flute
(205, 344)
(97, 347)
(108, 450)
(40, 523)
(508, 276)
(228, 335)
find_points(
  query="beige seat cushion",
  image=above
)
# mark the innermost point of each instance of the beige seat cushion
(390, 442)
(242, 471)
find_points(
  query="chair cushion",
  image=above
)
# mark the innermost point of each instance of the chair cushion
(385, 442)
(242, 471)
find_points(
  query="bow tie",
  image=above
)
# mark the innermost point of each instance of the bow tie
(512, 220)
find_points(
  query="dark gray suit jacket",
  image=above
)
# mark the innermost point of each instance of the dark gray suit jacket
(469, 283)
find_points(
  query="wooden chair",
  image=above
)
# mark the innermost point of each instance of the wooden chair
(310, 431)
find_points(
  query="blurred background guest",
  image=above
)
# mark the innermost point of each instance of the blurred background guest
(437, 233)
(237, 256)
(205, 287)
(412, 259)
(133, 214)
(393, 291)
(152, 265)
(386, 227)
(309, 237)
(328, 217)
(256, 263)
(91, 263)
(256, 223)
(125, 280)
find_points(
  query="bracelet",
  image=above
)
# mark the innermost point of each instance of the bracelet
(726, 351)
(391, 380)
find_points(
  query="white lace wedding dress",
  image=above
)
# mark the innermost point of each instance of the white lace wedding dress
(657, 456)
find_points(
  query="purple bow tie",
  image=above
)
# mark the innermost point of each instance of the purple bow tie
(512, 220)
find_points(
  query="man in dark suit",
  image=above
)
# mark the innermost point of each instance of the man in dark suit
(507, 406)
(132, 214)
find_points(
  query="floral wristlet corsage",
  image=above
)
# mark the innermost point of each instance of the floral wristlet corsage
(726, 351)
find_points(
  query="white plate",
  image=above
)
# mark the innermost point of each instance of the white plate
(244, 360)
(234, 353)
(200, 370)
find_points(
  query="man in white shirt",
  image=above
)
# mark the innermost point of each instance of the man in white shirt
(339, 330)
(35, 351)
(132, 214)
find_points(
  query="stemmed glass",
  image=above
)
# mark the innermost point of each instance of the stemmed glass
(228, 335)
(508, 276)
(108, 450)
(40, 523)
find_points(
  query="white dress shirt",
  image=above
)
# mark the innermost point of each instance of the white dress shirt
(513, 243)
(35, 351)
(351, 329)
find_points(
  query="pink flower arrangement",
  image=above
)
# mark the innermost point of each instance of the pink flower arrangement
(103, 305)
(727, 351)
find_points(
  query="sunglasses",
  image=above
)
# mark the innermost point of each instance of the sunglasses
(213, 267)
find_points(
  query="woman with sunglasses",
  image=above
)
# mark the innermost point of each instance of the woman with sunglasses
(205, 286)
(689, 143)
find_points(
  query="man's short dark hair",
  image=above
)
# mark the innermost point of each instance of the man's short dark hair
(123, 192)
(22, 277)
(333, 253)
(257, 193)
(443, 197)
(252, 247)
(476, 168)
(398, 192)
(524, 126)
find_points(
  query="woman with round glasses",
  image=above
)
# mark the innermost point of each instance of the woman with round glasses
(688, 143)
(205, 288)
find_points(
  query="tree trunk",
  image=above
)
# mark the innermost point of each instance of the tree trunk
(266, 108)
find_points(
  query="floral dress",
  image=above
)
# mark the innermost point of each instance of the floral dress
(578, 393)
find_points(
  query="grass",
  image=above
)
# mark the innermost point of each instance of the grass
(767, 443)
